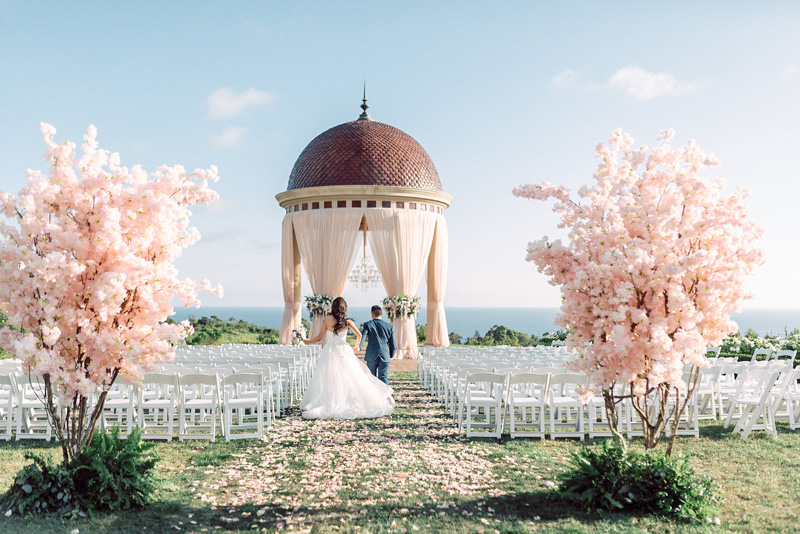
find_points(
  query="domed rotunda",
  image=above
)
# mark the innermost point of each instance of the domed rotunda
(366, 176)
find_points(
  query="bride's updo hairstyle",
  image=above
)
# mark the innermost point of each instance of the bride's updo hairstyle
(339, 314)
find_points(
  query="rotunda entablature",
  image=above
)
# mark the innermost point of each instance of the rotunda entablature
(363, 196)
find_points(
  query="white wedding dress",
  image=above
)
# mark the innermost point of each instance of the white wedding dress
(342, 387)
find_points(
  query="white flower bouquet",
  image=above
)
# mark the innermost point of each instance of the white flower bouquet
(298, 335)
(401, 306)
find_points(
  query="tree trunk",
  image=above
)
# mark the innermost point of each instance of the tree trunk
(613, 417)
(75, 428)
(694, 379)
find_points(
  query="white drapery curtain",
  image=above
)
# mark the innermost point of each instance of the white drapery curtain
(290, 271)
(437, 285)
(401, 240)
(327, 241)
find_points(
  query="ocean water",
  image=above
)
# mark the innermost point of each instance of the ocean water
(466, 321)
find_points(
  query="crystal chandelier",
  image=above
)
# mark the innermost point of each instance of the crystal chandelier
(365, 275)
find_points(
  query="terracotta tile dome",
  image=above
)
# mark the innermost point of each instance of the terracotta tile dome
(364, 152)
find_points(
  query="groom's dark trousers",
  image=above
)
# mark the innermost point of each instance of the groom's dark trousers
(380, 347)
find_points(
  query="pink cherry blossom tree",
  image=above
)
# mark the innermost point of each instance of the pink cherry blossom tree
(654, 263)
(87, 276)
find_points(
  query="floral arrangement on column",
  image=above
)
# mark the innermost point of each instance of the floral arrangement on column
(401, 306)
(319, 305)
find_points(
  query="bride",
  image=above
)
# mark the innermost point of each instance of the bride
(342, 387)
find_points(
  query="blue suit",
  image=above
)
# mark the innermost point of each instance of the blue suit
(380, 347)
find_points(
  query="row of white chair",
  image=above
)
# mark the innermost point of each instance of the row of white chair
(489, 403)
(726, 390)
(434, 365)
(757, 396)
(242, 404)
(156, 404)
(774, 355)
(783, 354)
(297, 362)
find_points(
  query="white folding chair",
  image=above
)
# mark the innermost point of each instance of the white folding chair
(526, 404)
(753, 397)
(13, 367)
(790, 355)
(290, 373)
(423, 365)
(599, 426)
(483, 404)
(33, 421)
(157, 399)
(688, 424)
(8, 405)
(243, 402)
(791, 397)
(565, 409)
(727, 384)
(198, 406)
(273, 388)
(457, 385)
(552, 369)
(762, 352)
(447, 374)
(119, 408)
(440, 374)
(706, 391)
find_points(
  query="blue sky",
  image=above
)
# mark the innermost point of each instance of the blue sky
(498, 93)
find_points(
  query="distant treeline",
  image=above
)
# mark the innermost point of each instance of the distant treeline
(215, 331)
(499, 335)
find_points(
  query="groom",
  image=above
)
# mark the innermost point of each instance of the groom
(380, 347)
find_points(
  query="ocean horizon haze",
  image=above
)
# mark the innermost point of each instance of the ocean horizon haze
(465, 321)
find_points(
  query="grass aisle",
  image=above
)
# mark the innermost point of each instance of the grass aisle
(412, 472)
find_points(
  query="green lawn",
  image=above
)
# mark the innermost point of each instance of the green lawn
(413, 473)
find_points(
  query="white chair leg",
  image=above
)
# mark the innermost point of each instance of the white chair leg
(749, 418)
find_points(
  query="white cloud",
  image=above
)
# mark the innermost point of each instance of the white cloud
(220, 205)
(230, 137)
(792, 70)
(567, 78)
(225, 103)
(645, 85)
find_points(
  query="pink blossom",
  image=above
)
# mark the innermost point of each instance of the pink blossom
(87, 267)
(654, 263)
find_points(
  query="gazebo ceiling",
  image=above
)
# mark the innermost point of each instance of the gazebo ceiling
(364, 152)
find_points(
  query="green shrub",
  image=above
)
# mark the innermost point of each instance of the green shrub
(42, 488)
(214, 331)
(612, 478)
(111, 474)
(597, 479)
(668, 486)
(422, 333)
(502, 335)
(115, 474)
(269, 339)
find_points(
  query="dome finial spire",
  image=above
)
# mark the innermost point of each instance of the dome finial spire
(364, 106)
